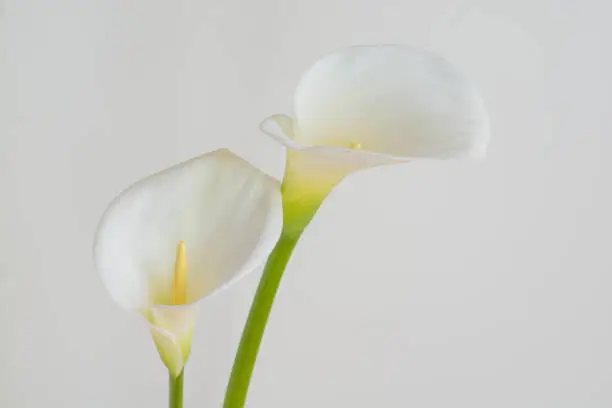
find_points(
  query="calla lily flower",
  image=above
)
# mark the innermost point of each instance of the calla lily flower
(181, 235)
(357, 108)
(368, 106)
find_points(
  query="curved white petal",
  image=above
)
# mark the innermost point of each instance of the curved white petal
(169, 350)
(390, 99)
(227, 212)
(178, 320)
(318, 161)
(172, 329)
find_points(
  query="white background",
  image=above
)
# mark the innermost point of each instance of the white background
(429, 285)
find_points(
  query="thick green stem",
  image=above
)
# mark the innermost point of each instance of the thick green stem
(246, 356)
(176, 391)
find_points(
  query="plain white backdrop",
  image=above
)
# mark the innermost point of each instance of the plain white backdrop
(430, 285)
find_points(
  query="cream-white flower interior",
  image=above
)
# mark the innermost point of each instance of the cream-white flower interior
(183, 234)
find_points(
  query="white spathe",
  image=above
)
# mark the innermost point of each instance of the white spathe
(393, 100)
(373, 105)
(227, 213)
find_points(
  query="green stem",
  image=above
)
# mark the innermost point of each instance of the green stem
(176, 391)
(246, 356)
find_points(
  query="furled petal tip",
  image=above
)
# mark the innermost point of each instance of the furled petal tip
(397, 101)
(222, 214)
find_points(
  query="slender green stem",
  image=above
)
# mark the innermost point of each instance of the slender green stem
(176, 391)
(246, 356)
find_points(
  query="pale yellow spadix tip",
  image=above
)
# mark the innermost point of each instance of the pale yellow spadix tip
(356, 146)
(179, 283)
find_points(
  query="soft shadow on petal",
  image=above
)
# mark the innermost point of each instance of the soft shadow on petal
(227, 212)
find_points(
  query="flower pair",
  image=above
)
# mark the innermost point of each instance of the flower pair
(189, 231)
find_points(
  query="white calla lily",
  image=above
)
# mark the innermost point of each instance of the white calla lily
(183, 234)
(357, 108)
(366, 106)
